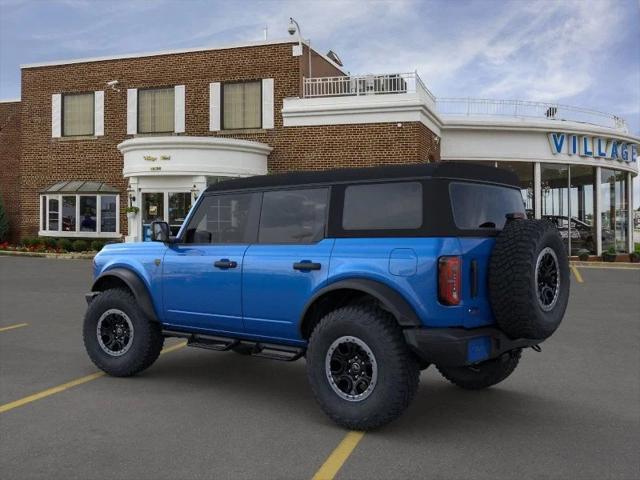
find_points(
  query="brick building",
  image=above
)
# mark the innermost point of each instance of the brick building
(91, 137)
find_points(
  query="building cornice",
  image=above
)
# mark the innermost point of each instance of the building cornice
(159, 53)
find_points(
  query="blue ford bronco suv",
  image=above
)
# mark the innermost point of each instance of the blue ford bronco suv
(371, 274)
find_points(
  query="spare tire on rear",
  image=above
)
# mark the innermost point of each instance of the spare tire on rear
(529, 279)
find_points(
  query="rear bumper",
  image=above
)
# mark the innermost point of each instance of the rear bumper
(453, 347)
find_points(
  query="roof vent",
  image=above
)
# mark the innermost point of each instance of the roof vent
(333, 56)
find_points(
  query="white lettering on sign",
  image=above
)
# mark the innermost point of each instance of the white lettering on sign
(597, 147)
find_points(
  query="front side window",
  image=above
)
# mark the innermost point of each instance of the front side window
(156, 110)
(242, 105)
(477, 206)
(227, 218)
(383, 206)
(77, 114)
(293, 216)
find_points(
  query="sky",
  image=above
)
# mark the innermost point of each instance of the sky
(577, 52)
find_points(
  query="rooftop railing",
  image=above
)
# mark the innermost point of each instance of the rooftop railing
(478, 107)
(356, 85)
(398, 83)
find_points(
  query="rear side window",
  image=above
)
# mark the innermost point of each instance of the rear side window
(476, 206)
(383, 206)
(293, 216)
(228, 218)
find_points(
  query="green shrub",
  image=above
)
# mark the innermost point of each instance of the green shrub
(65, 244)
(80, 246)
(29, 242)
(4, 223)
(49, 242)
(97, 245)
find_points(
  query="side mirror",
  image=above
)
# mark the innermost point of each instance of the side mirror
(160, 232)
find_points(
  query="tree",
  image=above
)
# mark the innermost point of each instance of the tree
(4, 222)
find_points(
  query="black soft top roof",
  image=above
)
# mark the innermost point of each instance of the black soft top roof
(455, 170)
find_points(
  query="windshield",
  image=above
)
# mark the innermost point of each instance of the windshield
(476, 206)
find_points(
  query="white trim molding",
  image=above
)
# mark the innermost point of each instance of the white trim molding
(396, 108)
(98, 111)
(132, 111)
(267, 103)
(188, 156)
(179, 108)
(56, 115)
(214, 107)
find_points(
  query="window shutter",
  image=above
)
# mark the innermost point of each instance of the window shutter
(98, 112)
(214, 106)
(267, 103)
(56, 115)
(132, 111)
(178, 111)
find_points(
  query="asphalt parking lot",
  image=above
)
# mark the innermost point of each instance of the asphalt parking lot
(570, 412)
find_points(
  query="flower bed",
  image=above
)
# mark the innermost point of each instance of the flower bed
(53, 245)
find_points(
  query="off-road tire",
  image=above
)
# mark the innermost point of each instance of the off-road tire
(147, 338)
(513, 291)
(397, 368)
(482, 375)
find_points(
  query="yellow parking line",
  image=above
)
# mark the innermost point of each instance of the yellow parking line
(11, 327)
(73, 383)
(576, 273)
(334, 463)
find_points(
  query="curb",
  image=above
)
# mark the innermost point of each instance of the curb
(611, 265)
(60, 256)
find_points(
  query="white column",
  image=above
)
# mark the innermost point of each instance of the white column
(537, 188)
(630, 212)
(134, 224)
(598, 210)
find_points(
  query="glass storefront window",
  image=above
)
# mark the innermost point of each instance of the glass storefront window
(582, 201)
(77, 215)
(614, 210)
(555, 197)
(88, 213)
(69, 213)
(179, 205)
(524, 170)
(108, 218)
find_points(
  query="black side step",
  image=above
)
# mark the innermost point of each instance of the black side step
(272, 351)
(283, 353)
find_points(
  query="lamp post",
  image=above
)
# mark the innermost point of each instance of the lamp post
(293, 28)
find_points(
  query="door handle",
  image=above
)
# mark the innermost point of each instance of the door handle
(225, 263)
(306, 266)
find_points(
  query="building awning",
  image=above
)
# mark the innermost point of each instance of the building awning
(80, 186)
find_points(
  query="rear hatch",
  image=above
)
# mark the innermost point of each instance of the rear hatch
(480, 212)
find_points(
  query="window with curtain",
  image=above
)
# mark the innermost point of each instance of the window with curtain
(77, 114)
(156, 110)
(242, 105)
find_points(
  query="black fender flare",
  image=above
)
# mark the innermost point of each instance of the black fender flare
(135, 284)
(390, 299)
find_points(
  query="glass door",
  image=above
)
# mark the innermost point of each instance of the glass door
(179, 205)
(152, 211)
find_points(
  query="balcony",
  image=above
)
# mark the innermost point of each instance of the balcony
(383, 88)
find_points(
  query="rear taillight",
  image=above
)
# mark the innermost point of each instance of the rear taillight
(449, 280)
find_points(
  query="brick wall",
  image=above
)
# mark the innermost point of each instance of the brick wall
(10, 163)
(46, 160)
